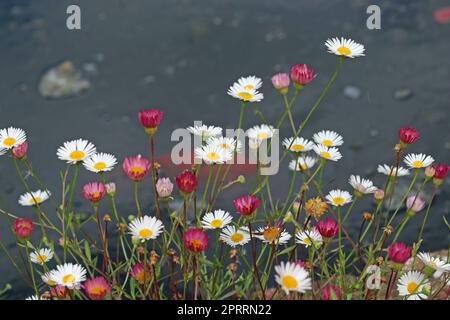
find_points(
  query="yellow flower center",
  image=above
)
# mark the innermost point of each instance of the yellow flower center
(303, 166)
(196, 244)
(213, 156)
(262, 135)
(77, 155)
(327, 142)
(339, 200)
(344, 50)
(418, 163)
(144, 233)
(9, 141)
(245, 95)
(249, 87)
(216, 223)
(224, 146)
(297, 147)
(137, 170)
(307, 240)
(41, 258)
(97, 290)
(412, 286)
(35, 200)
(100, 165)
(271, 234)
(68, 278)
(289, 282)
(326, 154)
(237, 237)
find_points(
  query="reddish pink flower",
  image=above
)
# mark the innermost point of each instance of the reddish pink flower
(302, 74)
(408, 135)
(96, 288)
(136, 168)
(441, 170)
(331, 292)
(399, 252)
(246, 204)
(327, 228)
(59, 291)
(281, 82)
(23, 227)
(195, 240)
(137, 272)
(94, 191)
(187, 181)
(150, 118)
(302, 264)
(20, 151)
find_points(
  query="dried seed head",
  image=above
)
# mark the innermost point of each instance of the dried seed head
(154, 257)
(233, 253)
(176, 259)
(123, 227)
(388, 229)
(233, 266)
(379, 260)
(106, 218)
(140, 250)
(171, 251)
(398, 147)
(316, 207)
(156, 166)
(367, 216)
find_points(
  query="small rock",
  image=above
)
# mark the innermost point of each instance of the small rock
(62, 81)
(352, 92)
(403, 94)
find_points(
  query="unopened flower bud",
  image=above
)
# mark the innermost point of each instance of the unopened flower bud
(379, 260)
(171, 252)
(110, 189)
(429, 172)
(288, 218)
(378, 195)
(154, 257)
(241, 179)
(122, 227)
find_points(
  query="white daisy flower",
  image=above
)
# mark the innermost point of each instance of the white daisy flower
(100, 162)
(260, 133)
(227, 144)
(272, 235)
(47, 278)
(332, 154)
(35, 297)
(11, 137)
(34, 198)
(362, 185)
(211, 154)
(247, 91)
(302, 163)
(435, 263)
(411, 284)
(345, 47)
(338, 198)
(69, 275)
(217, 219)
(292, 277)
(309, 237)
(386, 170)
(205, 132)
(417, 161)
(298, 144)
(234, 237)
(250, 82)
(328, 138)
(145, 228)
(75, 151)
(41, 256)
